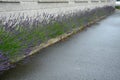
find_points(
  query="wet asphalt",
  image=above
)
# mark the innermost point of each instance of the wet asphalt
(93, 54)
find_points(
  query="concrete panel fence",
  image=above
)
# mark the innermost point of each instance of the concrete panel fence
(31, 7)
(17, 5)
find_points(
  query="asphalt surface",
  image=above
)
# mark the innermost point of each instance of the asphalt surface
(93, 54)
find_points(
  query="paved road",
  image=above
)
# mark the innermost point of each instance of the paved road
(93, 54)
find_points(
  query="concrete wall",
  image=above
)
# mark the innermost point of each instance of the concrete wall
(56, 0)
(12, 5)
(31, 7)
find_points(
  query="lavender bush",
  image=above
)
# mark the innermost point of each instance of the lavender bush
(4, 63)
(19, 34)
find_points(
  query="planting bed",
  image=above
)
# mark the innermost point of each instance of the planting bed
(19, 36)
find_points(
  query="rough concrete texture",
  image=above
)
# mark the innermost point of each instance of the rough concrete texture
(32, 7)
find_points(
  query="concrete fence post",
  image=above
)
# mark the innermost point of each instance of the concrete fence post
(89, 1)
(71, 1)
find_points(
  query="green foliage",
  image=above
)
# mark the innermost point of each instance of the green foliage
(55, 30)
(117, 7)
(8, 43)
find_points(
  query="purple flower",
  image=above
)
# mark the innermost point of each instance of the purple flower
(4, 62)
